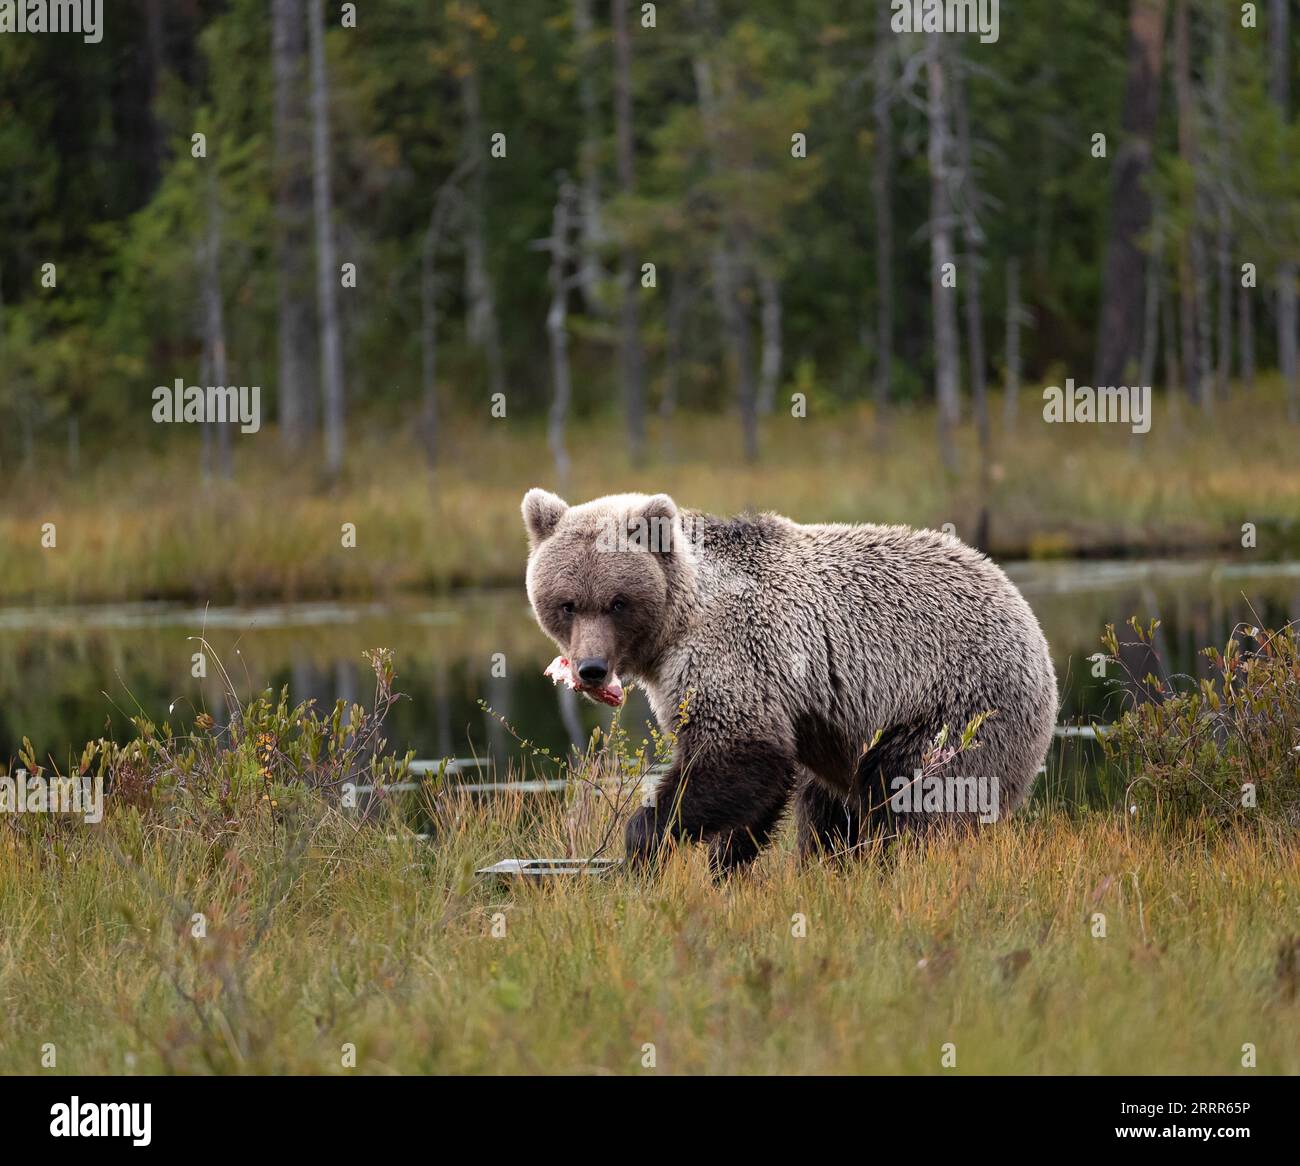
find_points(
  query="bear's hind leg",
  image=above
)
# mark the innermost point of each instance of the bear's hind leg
(853, 824)
(892, 762)
(825, 821)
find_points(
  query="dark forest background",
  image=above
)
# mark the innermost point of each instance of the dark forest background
(634, 135)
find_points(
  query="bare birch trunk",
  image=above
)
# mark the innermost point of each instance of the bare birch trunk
(327, 269)
(1011, 392)
(205, 378)
(558, 333)
(769, 373)
(631, 362)
(1246, 337)
(728, 278)
(1151, 308)
(447, 197)
(673, 345)
(973, 240)
(1279, 19)
(293, 195)
(429, 347)
(590, 226)
(730, 273)
(947, 359)
(482, 327)
(882, 194)
(1173, 371)
(1205, 361)
(215, 320)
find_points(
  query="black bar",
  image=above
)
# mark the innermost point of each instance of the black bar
(507, 1116)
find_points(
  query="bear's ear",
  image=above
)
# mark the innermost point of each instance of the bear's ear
(659, 506)
(654, 526)
(542, 510)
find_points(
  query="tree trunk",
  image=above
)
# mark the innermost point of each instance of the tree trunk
(429, 343)
(1122, 291)
(1151, 314)
(973, 238)
(1223, 374)
(1279, 31)
(1011, 393)
(1173, 373)
(293, 195)
(769, 373)
(215, 320)
(727, 282)
(130, 103)
(1189, 147)
(1189, 271)
(205, 378)
(673, 345)
(327, 270)
(1186, 321)
(156, 48)
(482, 327)
(946, 356)
(1246, 337)
(448, 194)
(590, 226)
(1151, 307)
(631, 363)
(558, 333)
(1223, 238)
(1204, 356)
(730, 274)
(1047, 164)
(882, 195)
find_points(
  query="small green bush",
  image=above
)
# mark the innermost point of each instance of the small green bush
(270, 757)
(1227, 749)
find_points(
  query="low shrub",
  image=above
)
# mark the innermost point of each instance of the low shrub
(1225, 747)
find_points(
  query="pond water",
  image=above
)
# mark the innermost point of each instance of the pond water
(71, 674)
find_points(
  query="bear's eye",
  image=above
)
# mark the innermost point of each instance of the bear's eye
(567, 608)
(618, 605)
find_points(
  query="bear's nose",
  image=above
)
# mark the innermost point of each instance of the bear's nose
(592, 671)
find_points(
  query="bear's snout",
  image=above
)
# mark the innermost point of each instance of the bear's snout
(593, 648)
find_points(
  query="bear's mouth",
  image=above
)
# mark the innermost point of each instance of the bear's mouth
(560, 671)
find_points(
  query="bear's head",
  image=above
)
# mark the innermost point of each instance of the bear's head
(606, 581)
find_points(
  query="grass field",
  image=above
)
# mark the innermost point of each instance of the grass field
(320, 935)
(282, 935)
(139, 524)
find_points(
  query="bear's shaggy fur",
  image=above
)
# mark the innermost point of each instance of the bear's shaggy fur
(792, 648)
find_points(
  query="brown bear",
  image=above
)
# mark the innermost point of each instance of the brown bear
(830, 663)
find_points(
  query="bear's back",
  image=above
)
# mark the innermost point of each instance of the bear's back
(868, 602)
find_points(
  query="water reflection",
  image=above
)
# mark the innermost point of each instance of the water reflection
(472, 666)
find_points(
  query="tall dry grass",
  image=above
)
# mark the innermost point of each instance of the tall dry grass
(321, 934)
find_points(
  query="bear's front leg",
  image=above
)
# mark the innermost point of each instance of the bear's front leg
(732, 798)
